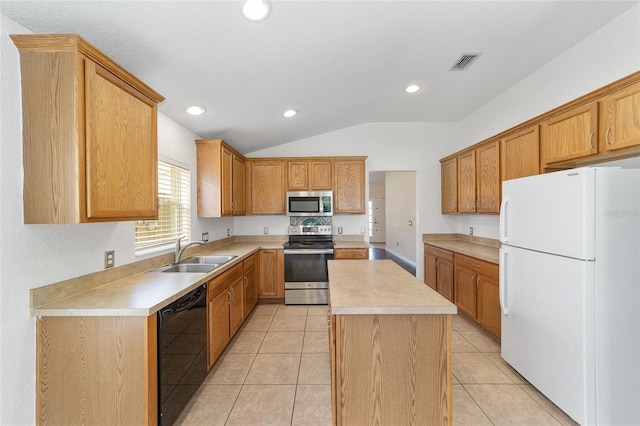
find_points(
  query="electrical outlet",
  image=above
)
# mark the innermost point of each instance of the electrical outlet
(471, 230)
(228, 232)
(339, 229)
(265, 230)
(205, 236)
(109, 259)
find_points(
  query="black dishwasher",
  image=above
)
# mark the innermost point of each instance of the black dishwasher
(182, 353)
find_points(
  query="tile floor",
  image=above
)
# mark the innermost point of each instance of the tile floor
(276, 372)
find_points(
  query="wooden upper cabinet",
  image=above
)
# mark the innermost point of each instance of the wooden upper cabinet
(621, 124)
(221, 179)
(488, 178)
(320, 175)
(348, 179)
(449, 185)
(467, 182)
(89, 134)
(309, 175)
(297, 175)
(266, 185)
(570, 135)
(520, 154)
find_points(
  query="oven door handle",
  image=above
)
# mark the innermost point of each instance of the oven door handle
(309, 251)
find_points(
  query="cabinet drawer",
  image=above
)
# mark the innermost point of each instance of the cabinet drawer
(438, 252)
(249, 263)
(480, 266)
(222, 281)
(351, 254)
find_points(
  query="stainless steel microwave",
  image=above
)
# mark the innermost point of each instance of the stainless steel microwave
(310, 203)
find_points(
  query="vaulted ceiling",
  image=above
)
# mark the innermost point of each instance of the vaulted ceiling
(338, 63)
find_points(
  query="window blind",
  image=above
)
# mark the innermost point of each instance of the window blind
(174, 210)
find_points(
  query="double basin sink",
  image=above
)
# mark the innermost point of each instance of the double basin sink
(199, 264)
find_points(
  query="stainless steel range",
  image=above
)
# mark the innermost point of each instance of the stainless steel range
(306, 279)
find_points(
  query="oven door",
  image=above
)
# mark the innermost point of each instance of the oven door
(306, 266)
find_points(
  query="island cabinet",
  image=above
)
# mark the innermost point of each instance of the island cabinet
(570, 134)
(348, 181)
(225, 310)
(309, 174)
(271, 274)
(520, 153)
(438, 274)
(96, 370)
(390, 346)
(266, 186)
(89, 134)
(221, 179)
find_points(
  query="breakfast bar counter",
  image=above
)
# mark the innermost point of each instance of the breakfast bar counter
(390, 346)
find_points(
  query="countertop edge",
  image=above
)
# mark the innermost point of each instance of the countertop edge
(403, 310)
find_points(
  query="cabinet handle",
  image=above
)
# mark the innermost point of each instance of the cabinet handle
(233, 293)
(606, 136)
(246, 282)
(591, 140)
(229, 296)
(473, 279)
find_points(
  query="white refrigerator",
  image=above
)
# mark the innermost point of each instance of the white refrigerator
(570, 289)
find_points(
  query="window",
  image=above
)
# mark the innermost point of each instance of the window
(174, 210)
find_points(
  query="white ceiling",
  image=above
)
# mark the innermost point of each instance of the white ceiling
(339, 63)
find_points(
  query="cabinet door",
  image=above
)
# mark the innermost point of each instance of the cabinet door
(571, 135)
(430, 271)
(268, 187)
(218, 322)
(121, 149)
(349, 186)
(271, 273)
(320, 175)
(236, 305)
(445, 278)
(449, 186)
(250, 290)
(465, 290)
(297, 175)
(226, 182)
(622, 116)
(488, 304)
(488, 178)
(238, 187)
(467, 182)
(520, 154)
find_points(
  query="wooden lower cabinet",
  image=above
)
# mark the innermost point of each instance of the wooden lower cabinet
(391, 369)
(225, 310)
(250, 283)
(96, 370)
(477, 291)
(271, 274)
(439, 270)
(351, 253)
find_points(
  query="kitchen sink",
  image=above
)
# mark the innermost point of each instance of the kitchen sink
(208, 260)
(189, 267)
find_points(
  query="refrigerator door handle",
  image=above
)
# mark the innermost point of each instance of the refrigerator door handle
(503, 281)
(503, 220)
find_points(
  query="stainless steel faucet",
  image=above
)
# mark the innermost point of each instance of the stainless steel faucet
(178, 250)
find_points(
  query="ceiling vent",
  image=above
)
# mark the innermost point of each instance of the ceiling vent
(465, 62)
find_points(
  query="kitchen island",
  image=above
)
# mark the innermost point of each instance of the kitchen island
(390, 346)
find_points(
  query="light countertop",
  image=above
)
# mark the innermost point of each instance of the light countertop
(480, 248)
(144, 293)
(369, 287)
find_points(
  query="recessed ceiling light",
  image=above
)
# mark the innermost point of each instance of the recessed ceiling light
(412, 88)
(256, 10)
(290, 113)
(196, 110)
